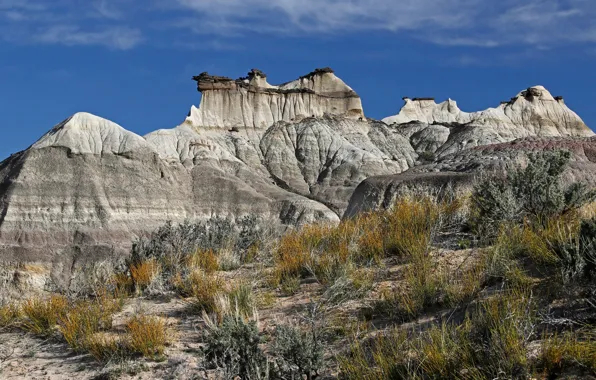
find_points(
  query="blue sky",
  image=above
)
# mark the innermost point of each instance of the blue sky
(131, 61)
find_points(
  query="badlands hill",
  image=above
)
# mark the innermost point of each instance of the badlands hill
(292, 153)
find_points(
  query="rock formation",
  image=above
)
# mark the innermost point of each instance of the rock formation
(533, 112)
(251, 102)
(444, 129)
(292, 153)
(460, 170)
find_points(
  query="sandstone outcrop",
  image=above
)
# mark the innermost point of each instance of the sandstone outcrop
(460, 170)
(443, 128)
(533, 112)
(251, 102)
(292, 153)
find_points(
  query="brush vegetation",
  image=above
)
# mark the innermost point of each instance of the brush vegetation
(499, 283)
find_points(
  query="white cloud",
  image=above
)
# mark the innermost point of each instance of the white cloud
(334, 15)
(68, 22)
(123, 24)
(115, 37)
(480, 23)
(106, 9)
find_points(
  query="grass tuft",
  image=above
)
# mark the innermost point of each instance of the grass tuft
(9, 315)
(144, 273)
(41, 316)
(147, 336)
(85, 319)
(206, 260)
(562, 352)
(204, 289)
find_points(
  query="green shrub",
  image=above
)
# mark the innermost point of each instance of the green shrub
(579, 257)
(173, 245)
(299, 353)
(535, 192)
(233, 347)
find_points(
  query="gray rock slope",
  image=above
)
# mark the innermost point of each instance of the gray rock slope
(292, 153)
(459, 171)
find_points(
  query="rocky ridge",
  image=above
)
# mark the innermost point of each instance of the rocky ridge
(292, 153)
(251, 102)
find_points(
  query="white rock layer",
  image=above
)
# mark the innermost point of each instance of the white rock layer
(88, 187)
(252, 102)
(533, 112)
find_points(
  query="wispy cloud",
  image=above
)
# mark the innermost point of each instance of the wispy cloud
(68, 22)
(114, 37)
(478, 23)
(333, 15)
(107, 9)
(123, 24)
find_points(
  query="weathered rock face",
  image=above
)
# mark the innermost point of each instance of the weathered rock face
(460, 170)
(88, 187)
(292, 153)
(532, 113)
(319, 158)
(251, 102)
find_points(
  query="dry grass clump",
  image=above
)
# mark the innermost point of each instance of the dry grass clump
(490, 343)
(122, 284)
(295, 252)
(206, 260)
(105, 346)
(327, 252)
(425, 287)
(146, 335)
(86, 318)
(562, 352)
(79, 323)
(429, 285)
(539, 241)
(521, 249)
(144, 273)
(242, 300)
(9, 315)
(41, 316)
(204, 289)
(87, 329)
(371, 241)
(409, 227)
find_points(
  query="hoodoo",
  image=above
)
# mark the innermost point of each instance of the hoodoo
(292, 154)
(532, 112)
(251, 102)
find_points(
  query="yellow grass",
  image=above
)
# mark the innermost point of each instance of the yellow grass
(40, 316)
(203, 288)
(147, 335)
(568, 350)
(409, 227)
(489, 343)
(85, 319)
(206, 260)
(144, 273)
(9, 315)
(405, 231)
(105, 346)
